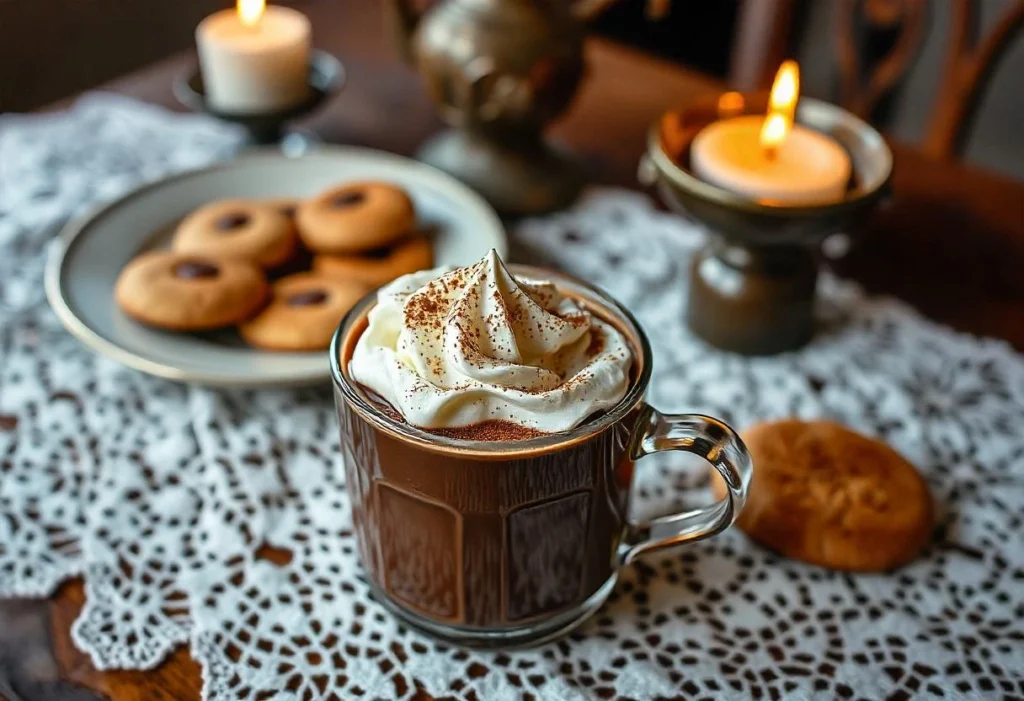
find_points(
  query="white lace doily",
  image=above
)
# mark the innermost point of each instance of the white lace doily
(160, 494)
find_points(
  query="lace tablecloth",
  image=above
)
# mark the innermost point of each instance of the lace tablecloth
(161, 494)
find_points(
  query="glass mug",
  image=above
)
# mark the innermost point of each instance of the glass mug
(510, 543)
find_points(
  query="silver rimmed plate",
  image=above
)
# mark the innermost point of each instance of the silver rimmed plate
(88, 256)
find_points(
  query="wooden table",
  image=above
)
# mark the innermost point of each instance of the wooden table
(951, 243)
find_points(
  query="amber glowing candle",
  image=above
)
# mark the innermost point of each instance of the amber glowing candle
(771, 157)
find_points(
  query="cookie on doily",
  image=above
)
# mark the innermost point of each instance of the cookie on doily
(826, 495)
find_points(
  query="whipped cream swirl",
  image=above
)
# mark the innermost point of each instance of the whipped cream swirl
(454, 348)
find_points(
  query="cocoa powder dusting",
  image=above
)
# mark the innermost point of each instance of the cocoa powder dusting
(491, 430)
(577, 319)
(515, 314)
(421, 310)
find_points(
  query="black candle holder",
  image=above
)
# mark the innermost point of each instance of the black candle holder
(752, 286)
(326, 78)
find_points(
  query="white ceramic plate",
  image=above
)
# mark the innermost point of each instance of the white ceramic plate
(90, 252)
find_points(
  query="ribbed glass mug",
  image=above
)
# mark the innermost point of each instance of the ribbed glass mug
(510, 543)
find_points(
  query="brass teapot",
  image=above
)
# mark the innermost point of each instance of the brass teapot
(498, 71)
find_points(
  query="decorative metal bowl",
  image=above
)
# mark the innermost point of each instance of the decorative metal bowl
(326, 78)
(752, 285)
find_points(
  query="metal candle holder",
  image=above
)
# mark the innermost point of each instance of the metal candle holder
(752, 286)
(326, 78)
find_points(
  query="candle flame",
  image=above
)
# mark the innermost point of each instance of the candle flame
(781, 106)
(774, 130)
(250, 11)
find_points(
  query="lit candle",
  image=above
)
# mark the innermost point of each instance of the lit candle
(771, 158)
(254, 59)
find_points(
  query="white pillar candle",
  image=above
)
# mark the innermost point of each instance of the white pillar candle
(808, 167)
(255, 66)
(771, 158)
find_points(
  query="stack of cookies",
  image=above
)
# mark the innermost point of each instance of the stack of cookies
(246, 263)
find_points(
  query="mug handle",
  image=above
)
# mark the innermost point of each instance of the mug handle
(716, 443)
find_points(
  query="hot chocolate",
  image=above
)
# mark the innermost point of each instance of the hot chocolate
(490, 503)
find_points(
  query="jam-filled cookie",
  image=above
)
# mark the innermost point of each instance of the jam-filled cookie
(239, 229)
(187, 292)
(355, 217)
(824, 494)
(303, 313)
(380, 265)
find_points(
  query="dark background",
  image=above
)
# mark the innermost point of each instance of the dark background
(698, 34)
(50, 49)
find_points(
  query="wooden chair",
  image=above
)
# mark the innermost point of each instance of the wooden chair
(876, 42)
